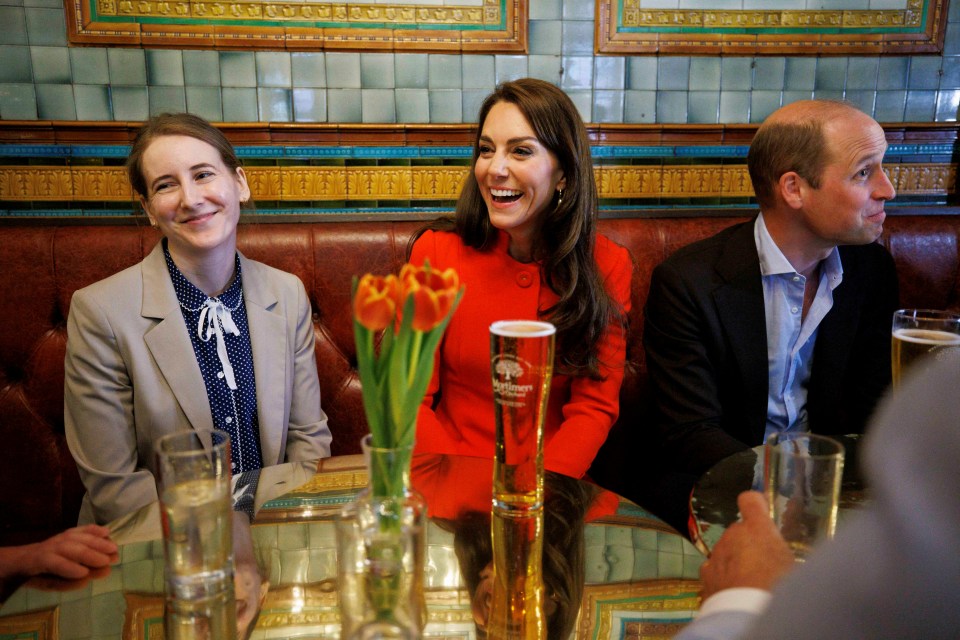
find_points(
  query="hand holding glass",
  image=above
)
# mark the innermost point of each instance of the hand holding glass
(802, 476)
(193, 480)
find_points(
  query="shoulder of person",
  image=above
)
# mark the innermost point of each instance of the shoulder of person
(266, 274)
(610, 255)
(122, 284)
(436, 246)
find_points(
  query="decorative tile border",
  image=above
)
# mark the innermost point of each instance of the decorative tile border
(633, 27)
(476, 26)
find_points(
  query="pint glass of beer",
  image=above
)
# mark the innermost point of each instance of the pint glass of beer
(521, 367)
(919, 331)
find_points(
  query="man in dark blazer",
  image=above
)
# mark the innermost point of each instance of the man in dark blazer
(783, 322)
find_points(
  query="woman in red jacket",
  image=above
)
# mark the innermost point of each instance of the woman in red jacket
(524, 243)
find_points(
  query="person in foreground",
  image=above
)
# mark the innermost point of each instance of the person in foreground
(892, 571)
(72, 554)
(524, 243)
(781, 323)
(194, 336)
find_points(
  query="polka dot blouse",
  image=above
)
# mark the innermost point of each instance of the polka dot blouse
(221, 342)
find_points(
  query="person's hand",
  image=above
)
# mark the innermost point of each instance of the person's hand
(750, 553)
(72, 554)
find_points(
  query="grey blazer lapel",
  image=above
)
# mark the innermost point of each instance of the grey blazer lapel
(170, 344)
(743, 319)
(268, 340)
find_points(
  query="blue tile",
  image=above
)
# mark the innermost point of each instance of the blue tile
(863, 100)
(577, 73)
(237, 69)
(275, 105)
(705, 73)
(240, 104)
(16, 65)
(201, 68)
(446, 106)
(309, 69)
(609, 72)
(951, 73)
(924, 73)
(546, 37)
(35, 150)
(640, 106)
(444, 72)
(547, 68)
(412, 71)
(673, 73)
(889, 106)
(734, 106)
(205, 102)
(951, 41)
(377, 71)
(309, 105)
(546, 10)
(672, 106)
(129, 103)
(472, 101)
(577, 10)
(55, 102)
(641, 72)
(166, 100)
(862, 73)
(577, 38)
(608, 106)
(948, 104)
(892, 73)
(413, 105)
(378, 105)
(89, 65)
(127, 67)
(510, 67)
(93, 102)
(164, 67)
(921, 106)
(831, 74)
(273, 69)
(828, 94)
(479, 72)
(768, 73)
(703, 107)
(46, 26)
(762, 104)
(344, 105)
(736, 74)
(14, 26)
(799, 74)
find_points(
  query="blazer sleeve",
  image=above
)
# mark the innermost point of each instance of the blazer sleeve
(688, 410)
(308, 434)
(98, 415)
(593, 405)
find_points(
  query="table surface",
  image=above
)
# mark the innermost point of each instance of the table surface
(640, 575)
(713, 502)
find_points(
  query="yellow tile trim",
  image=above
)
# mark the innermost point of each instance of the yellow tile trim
(306, 183)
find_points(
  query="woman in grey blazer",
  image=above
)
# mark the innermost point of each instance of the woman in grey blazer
(194, 336)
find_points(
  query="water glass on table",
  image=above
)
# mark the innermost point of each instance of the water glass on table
(916, 332)
(802, 477)
(193, 481)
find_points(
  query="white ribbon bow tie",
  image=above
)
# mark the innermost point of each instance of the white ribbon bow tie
(217, 318)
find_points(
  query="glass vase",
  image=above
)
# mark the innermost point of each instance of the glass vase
(381, 547)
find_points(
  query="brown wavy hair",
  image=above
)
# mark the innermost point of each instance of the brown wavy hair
(566, 231)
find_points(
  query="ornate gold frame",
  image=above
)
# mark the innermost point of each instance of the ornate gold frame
(626, 27)
(487, 26)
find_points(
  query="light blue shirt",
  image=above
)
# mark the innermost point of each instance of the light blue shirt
(790, 336)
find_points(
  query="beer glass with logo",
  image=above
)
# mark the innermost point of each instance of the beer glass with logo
(193, 480)
(521, 367)
(920, 331)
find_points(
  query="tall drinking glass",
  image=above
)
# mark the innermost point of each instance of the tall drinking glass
(521, 366)
(802, 477)
(193, 479)
(916, 332)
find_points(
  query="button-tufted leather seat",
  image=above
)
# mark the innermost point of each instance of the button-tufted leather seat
(41, 265)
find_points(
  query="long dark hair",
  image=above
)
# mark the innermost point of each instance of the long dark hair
(566, 230)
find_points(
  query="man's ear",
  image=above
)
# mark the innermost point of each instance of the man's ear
(790, 187)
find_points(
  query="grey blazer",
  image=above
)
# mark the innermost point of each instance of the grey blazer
(132, 376)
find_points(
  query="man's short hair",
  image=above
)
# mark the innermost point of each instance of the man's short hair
(783, 145)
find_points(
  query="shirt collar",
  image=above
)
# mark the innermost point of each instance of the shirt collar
(773, 262)
(191, 297)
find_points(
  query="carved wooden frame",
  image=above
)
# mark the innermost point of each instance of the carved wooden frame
(495, 26)
(626, 27)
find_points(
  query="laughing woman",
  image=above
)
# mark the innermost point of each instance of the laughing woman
(525, 245)
(195, 336)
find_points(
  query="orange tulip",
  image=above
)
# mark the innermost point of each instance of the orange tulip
(433, 292)
(376, 300)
